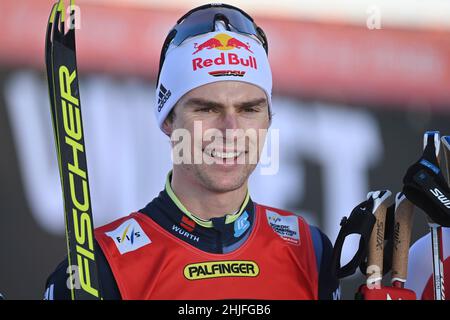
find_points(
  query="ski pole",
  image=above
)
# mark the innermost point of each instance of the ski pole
(374, 270)
(404, 211)
(436, 231)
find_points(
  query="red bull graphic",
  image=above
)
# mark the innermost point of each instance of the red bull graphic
(233, 42)
(222, 41)
(208, 44)
(229, 59)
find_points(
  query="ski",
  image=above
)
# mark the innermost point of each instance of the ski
(62, 76)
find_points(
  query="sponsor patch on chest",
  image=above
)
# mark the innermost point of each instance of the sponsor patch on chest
(285, 226)
(219, 269)
(129, 236)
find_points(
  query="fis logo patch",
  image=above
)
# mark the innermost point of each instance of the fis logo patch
(285, 226)
(163, 96)
(129, 236)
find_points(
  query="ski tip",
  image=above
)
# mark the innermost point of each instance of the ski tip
(432, 136)
(53, 14)
(62, 10)
(431, 132)
(399, 198)
(378, 197)
(382, 194)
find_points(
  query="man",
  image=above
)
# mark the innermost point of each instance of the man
(203, 237)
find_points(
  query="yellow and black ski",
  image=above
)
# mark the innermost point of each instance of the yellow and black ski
(62, 76)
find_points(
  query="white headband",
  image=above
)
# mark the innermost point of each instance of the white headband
(213, 57)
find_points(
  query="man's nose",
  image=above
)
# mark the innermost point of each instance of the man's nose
(229, 121)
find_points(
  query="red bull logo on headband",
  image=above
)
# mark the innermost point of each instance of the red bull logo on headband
(223, 42)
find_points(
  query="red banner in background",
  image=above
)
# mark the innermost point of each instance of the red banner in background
(346, 63)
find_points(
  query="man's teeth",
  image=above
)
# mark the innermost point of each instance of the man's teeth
(223, 155)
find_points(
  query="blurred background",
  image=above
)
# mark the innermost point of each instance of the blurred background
(356, 84)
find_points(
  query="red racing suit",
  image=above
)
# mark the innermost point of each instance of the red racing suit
(267, 266)
(165, 252)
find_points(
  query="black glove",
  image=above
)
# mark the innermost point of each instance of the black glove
(425, 187)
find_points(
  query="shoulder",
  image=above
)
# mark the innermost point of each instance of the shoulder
(116, 223)
(123, 235)
(280, 219)
(289, 226)
(277, 216)
(286, 224)
(329, 286)
(57, 285)
(279, 211)
(121, 229)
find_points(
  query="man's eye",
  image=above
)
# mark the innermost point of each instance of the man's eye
(251, 109)
(206, 109)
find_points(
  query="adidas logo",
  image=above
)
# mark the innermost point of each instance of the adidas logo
(163, 96)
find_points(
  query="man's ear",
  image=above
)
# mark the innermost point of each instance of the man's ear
(167, 127)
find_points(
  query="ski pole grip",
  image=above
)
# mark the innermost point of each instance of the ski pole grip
(404, 212)
(374, 270)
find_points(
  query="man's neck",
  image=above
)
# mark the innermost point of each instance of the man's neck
(206, 204)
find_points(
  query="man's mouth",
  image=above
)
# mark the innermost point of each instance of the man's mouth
(223, 154)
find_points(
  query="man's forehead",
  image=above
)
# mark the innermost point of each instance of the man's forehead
(226, 93)
(194, 102)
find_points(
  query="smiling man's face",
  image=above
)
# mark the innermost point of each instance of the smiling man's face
(234, 118)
